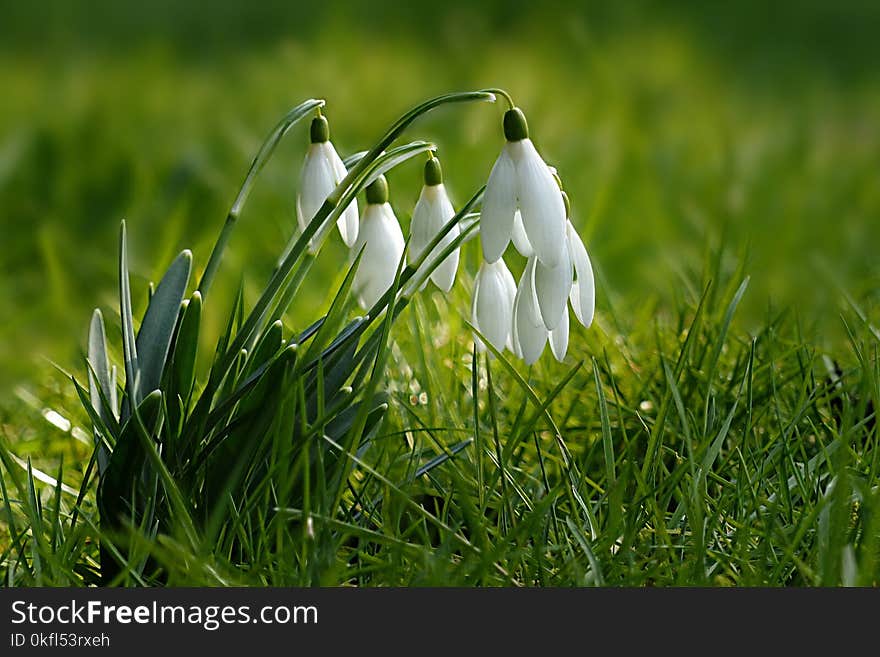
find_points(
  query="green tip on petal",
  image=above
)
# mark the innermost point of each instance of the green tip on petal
(320, 130)
(377, 191)
(433, 172)
(516, 128)
(567, 205)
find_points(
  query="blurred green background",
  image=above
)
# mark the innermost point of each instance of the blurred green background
(744, 129)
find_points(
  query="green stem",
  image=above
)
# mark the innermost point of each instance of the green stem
(263, 155)
(397, 129)
(506, 96)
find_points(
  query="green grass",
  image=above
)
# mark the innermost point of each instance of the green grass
(716, 426)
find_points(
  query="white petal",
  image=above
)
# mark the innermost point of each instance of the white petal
(531, 335)
(499, 204)
(348, 224)
(317, 180)
(510, 285)
(348, 220)
(382, 240)
(513, 340)
(540, 202)
(520, 239)
(552, 285)
(493, 309)
(422, 225)
(583, 291)
(559, 338)
(444, 275)
(433, 211)
(477, 342)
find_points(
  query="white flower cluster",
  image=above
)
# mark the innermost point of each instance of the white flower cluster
(523, 203)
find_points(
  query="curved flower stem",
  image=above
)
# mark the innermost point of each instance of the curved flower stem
(397, 129)
(506, 96)
(286, 123)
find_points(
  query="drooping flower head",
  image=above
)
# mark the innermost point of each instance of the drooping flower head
(382, 242)
(322, 171)
(433, 210)
(492, 306)
(541, 310)
(521, 181)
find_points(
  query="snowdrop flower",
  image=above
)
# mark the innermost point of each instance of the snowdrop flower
(322, 171)
(542, 294)
(382, 242)
(433, 210)
(492, 307)
(520, 180)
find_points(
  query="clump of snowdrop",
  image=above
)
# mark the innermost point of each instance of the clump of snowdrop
(322, 171)
(381, 239)
(330, 393)
(523, 203)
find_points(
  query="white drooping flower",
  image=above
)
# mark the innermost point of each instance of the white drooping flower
(322, 171)
(541, 312)
(382, 242)
(433, 211)
(492, 306)
(521, 180)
